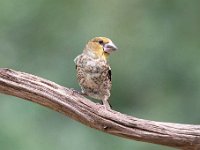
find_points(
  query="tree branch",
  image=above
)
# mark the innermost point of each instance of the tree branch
(73, 105)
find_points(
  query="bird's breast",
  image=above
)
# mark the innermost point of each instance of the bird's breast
(93, 76)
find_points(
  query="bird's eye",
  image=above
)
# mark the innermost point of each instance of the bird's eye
(101, 42)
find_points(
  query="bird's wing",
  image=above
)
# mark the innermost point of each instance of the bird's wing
(77, 59)
(109, 74)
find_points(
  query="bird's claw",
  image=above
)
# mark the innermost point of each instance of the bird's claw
(77, 92)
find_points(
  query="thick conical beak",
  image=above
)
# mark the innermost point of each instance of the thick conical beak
(109, 47)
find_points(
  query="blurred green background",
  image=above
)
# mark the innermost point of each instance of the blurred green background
(156, 72)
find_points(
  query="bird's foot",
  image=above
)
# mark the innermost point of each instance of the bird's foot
(77, 92)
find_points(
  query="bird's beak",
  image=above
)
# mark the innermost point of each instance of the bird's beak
(109, 47)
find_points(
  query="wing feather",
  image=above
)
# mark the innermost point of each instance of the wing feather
(109, 74)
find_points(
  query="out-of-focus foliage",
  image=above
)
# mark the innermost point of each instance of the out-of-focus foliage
(156, 72)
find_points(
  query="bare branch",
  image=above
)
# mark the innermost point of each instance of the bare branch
(70, 103)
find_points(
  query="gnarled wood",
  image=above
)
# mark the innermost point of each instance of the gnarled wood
(70, 103)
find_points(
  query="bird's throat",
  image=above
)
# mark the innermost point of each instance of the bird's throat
(105, 55)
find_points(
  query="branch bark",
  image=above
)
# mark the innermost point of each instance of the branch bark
(73, 105)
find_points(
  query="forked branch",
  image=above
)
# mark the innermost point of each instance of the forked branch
(73, 105)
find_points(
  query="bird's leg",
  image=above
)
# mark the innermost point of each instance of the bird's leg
(83, 92)
(106, 104)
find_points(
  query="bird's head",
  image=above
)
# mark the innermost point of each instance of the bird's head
(100, 47)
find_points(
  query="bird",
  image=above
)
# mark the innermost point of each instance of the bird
(93, 69)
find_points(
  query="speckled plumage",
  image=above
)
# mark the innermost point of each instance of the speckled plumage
(94, 77)
(93, 70)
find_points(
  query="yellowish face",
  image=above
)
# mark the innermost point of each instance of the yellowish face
(101, 46)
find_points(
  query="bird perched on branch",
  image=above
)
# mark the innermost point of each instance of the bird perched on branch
(93, 70)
